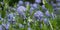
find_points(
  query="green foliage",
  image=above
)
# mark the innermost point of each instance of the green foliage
(1, 0)
(54, 24)
(3, 13)
(12, 2)
(49, 7)
(0, 22)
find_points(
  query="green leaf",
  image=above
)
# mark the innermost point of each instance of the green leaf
(3, 13)
(27, 10)
(49, 7)
(54, 23)
(10, 27)
(19, 20)
(0, 22)
(44, 1)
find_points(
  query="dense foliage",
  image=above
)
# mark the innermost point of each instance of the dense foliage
(29, 14)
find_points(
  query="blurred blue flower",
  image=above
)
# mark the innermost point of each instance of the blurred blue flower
(31, 10)
(29, 28)
(38, 15)
(27, 3)
(10, 17)
(1, 27)
(28, 23)
(21, 10)
(43, 6)
(35, 5)
(21, 26)
(44, 9)
(54, 5)
(38, 1)
(58, 0)
(5, 26)
(46, 20)
(47, 13)
(57, 11)
(58, 4)
(20, 3)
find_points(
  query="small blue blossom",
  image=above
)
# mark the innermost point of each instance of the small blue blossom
(1, 27)
(38, 15)
(27, 3)
(58, 4)
(28, 24)
(38, 1)
(21, 11)
(44, 8)
(10, 17)
(53, 4)
(31, 10)
(29, 28)
(20, 3)
(47, 13)
(58, 0)
(21, 26)
(45, 20)
(35, 5)
(6, 26)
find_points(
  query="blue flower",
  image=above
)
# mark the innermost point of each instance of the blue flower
(54, 5)
(31, 10)
(57, 0)
(37, 1)
(6, 25)
(28, 23)
(21, 26)
(44, 8)
(47, 13)
(58, 4)
(57, 11)
(35, 5)
(29, 28)
(27, 3)
(38, 15)
(20, 3)
(10, 17)
(1, 27)
(21, 10)
(45, 20)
